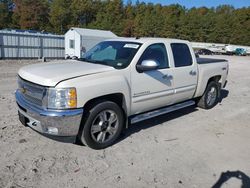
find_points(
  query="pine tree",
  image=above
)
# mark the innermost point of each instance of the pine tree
(223, 24)
(110, 16)
(172, 16)
(5, 13)
(241, 27)
(29, 14)
(83, 12)
(129, 24)
(60, 15)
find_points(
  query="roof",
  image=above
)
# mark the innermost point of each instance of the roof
(94, 32)
(28, 32)
(144, 40)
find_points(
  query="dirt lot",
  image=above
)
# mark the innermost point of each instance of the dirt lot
(188, 148)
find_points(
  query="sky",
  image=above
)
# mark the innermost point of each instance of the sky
(200, 3)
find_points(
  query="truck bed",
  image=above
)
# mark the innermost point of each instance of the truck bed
(209, 60)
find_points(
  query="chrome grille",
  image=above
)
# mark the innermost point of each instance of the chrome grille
(31, 92)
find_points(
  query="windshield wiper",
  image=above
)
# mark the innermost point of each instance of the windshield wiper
(100, 62)
(94, 61)
(82, 59)
(86, 60)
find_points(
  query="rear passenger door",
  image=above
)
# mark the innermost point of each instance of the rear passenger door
(185, 72)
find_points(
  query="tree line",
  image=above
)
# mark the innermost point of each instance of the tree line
(222, 24)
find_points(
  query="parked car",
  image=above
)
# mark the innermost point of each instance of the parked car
(118, 82)
(240, 52)
(204, 52)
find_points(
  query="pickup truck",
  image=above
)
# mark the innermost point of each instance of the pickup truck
(117, 83)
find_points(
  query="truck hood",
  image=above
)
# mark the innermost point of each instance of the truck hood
(49, 74)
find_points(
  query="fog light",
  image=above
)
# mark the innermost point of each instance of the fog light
(52, 130)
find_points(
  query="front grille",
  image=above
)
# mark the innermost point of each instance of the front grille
(31, 92)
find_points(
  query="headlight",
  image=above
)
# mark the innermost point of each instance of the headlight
(62, 98)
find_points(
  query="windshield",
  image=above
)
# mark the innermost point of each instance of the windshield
(112, 53)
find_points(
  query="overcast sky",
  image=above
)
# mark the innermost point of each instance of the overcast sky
(199, 3)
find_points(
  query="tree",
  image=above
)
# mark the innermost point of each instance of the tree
(129, 23)
(110, 16)
(240, 33)
(5, 13)
(195, 24)
(172, 16)
(223, 24)
(60, 15)
(140, 9)
(29, 14)
(154, 21)
(83, 12)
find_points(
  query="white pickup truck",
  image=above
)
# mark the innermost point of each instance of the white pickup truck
(118, 82)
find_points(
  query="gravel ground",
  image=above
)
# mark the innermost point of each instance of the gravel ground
(188, 148)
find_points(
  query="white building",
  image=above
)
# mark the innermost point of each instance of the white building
(30, 44)
(79, 40)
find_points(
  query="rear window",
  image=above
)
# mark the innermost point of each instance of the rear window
(182, 55)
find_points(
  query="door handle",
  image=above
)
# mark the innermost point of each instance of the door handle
(193, 73)
(167, 77)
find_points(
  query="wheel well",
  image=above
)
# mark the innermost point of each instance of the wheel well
(214, 78)
(117, 98)
(217, 80)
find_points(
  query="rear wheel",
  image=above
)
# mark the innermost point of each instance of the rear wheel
(210, 97)
(103, 125)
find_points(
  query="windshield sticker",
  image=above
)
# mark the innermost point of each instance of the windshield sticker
(135, 46)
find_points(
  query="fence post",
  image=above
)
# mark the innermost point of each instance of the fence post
(18, 46)
(1, 46)
(41, 47)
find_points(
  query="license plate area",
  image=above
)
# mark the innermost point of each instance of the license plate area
(27, 120)
(23, 119)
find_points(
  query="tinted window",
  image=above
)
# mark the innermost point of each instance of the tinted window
(182, 55)
(156, 52)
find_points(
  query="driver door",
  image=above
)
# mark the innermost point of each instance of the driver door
(152, 89)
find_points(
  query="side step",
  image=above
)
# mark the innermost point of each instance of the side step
(151, 114)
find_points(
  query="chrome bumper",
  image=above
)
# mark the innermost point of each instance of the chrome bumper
(50, 122)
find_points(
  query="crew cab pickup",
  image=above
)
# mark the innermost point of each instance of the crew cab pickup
(118, 82)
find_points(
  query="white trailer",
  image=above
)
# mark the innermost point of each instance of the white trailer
(79, 40)
(219, 48)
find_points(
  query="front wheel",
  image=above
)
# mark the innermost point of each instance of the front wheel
(103, 125)
(210, 97)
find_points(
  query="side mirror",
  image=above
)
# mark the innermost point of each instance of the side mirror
(147, 65)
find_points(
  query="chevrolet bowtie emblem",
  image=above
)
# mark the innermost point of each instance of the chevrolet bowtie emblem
(23, 90)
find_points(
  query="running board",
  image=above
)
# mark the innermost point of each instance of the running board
(151, 114)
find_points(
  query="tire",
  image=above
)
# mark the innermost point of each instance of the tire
(103, 125)
(210, 97)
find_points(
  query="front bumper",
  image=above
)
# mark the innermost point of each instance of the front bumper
(58, 123)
